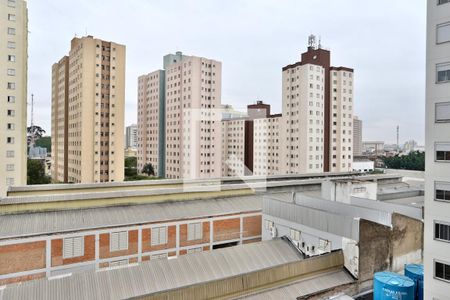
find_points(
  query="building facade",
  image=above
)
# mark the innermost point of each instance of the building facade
(13, 90)
(92, 99)
(131, 136)
(317, 114)
(151, 131)
(437, 176)
(192, 144)
(357, 136)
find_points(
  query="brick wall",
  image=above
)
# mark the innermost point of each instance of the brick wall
(227, 229)
(132, 245)
(252, 226)
(57, 252)
(22, 257)
(147, 238)
(184, 235)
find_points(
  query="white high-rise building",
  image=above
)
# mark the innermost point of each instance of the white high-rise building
(13, 91)
(317, 113)
(437, 176)
(357, 136)
(131, 136)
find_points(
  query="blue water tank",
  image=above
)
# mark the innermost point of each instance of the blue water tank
(392, 286)
(415, 272)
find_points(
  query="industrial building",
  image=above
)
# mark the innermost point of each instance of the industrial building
(67, 235)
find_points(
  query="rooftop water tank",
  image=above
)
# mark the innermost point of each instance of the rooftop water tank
(415, 272)
(392, 286)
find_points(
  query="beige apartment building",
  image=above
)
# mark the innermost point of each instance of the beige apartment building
(437, 174)
(189, 109)
(13, 90)
(317, 114)
(233, 147)
(151, 122)
(88, 97)
(357, 136)
(266, 146)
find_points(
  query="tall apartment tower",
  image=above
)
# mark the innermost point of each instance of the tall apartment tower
(318, 114)
(88, 97)
(13, 90)
(192, 104)
(131, 136)
(437, 176)
(151, 131)
(357, 136)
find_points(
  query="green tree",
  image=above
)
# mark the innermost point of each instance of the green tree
(130, 166)
(45, 142)
(34, 133)
(413, 161)
(148, 169)
(36, 172)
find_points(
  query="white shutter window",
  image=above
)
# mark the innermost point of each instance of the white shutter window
(159, 256)
(195, 231)
(194, 250)
(119, 241)
(443, 33)
(445, 186)
(443, 72)
(443, 146)
(159, 236)
(73, 247)
(443, 112)
(118, 263)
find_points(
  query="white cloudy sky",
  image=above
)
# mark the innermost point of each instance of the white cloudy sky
(384, 41)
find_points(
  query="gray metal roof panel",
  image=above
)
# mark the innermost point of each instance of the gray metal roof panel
(74, 220)
(157, 275)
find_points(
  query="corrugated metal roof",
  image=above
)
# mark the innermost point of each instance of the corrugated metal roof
(315, 218)
(73, 220)
(158, 275)
(304, 287)
(392, 206)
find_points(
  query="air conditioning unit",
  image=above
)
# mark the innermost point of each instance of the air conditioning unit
(274, 232)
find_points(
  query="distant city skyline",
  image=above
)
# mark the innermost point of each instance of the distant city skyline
(253, 42)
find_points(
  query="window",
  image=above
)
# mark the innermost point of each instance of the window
(442, 151)
(11, 45)
(11, 17)
(159, 236)
(10, 126)
(442, 191)
(9, 167)
(11, 58)
(10, 140)
(195, 231)
(443, 33)
(361, 189)
(11, 72)
(119, 241)
(443, 72)
(11, 86)
(11, 113)
(442, 231)
(12, 3)
(11, 99)
(443, 1)
(294, 235)
(159, 256)
(442, 270)
(443, 112)
(73, 247)
(9, 181)
(268, 224)
(11, 31)
(10, 153)
(194, 250)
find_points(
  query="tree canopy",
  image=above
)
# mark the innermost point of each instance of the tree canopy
(412, 161)
(44, 142)
(36, 172)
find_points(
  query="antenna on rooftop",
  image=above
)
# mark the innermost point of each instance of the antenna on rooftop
(320, 42)
(312, 41)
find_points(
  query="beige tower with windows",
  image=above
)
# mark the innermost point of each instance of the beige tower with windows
(88, 97)
(13, 90)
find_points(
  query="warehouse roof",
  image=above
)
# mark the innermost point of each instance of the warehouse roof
(305, 287)
(159, 275)
(29, 224)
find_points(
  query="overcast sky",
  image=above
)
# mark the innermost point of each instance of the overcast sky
(384, 41)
